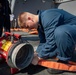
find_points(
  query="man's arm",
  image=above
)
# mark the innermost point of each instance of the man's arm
(49, 21)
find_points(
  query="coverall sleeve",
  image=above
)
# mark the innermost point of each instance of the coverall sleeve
(48, 49)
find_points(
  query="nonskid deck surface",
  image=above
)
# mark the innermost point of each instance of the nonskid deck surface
(31, 69)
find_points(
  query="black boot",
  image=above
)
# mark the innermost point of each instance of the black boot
(54, 71)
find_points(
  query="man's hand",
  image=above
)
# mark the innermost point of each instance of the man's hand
(35, 59)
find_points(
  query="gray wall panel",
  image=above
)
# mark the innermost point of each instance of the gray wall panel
(31, 6)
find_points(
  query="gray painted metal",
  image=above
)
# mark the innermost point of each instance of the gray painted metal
(12, 5)
(31, 6)
(69, 6)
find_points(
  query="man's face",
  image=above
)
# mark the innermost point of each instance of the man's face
(30, 24)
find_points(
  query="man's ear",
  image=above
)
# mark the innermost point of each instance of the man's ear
(29, 18)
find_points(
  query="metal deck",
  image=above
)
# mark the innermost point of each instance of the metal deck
(31, 69)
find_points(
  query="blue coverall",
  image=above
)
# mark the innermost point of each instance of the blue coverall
(57, 33)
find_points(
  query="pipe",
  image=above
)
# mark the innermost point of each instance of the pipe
(12, 5)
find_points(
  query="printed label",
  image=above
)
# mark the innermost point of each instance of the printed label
(6, 45)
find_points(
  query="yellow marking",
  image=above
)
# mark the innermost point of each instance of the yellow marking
(6, 45)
